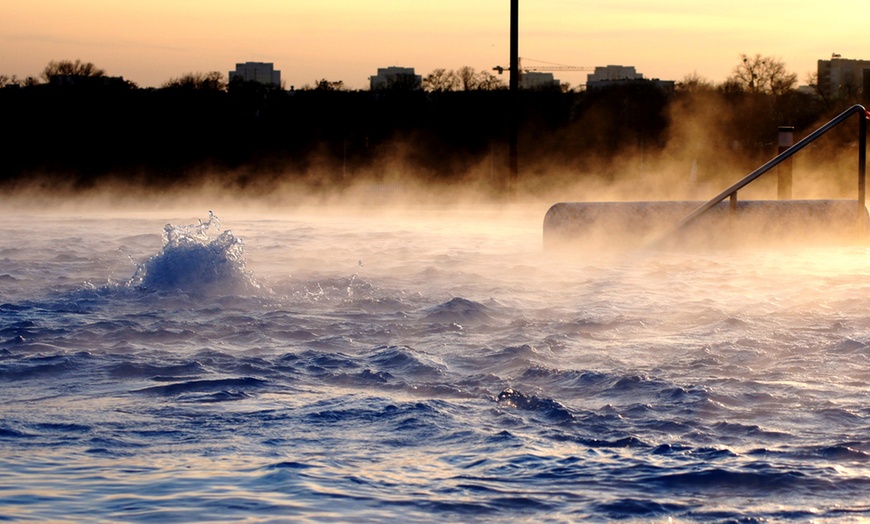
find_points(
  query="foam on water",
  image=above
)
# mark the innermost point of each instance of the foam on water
(449, 377)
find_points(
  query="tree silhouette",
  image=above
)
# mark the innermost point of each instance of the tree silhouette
(487, 81)
(329, 85)
(441, 80)
(694, 83)
(760, 74)
(257, 134)
(468, 78)
(403, 82)
(212, 81)
(63, 70)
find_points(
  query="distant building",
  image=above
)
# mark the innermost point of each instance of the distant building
(616, 74)
(396, 78)
(533, 80)
(844, 78)
(262, 72)
(605, 75)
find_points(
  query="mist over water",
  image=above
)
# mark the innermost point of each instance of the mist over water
(426, 363)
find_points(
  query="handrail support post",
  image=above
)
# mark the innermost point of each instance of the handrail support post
(862, 156)
(784, 170)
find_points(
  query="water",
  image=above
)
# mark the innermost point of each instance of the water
(423, 366)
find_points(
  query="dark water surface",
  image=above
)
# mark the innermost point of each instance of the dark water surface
(422, 367)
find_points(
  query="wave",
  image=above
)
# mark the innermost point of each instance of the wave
(193, 263)
(407, 362)
(546, 408)
(132, 370)
(58, 365)
(460, 311)
(233, 388)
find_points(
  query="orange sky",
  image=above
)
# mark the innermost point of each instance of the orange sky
(151, 42)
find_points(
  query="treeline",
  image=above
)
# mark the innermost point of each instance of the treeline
(80, 129)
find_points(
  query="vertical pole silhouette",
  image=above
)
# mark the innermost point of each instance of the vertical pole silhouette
(513, 119)
(784, 170)
(862, 155)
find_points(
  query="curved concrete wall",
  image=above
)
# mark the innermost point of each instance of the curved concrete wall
(630, 225)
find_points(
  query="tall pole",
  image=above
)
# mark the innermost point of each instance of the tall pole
(514, 96)
(515, 46)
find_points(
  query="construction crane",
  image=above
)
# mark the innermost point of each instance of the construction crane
(544, 68)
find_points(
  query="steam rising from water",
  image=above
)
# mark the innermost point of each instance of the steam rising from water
(704, 148)
(424, 366)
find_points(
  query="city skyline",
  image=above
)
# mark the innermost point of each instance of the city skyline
(340, 40)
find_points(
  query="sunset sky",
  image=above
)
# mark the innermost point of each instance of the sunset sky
(151, 42)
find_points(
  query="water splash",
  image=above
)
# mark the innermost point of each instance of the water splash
(184, 235)
(194, 263)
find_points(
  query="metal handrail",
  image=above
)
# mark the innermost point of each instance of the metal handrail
(788, 153)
